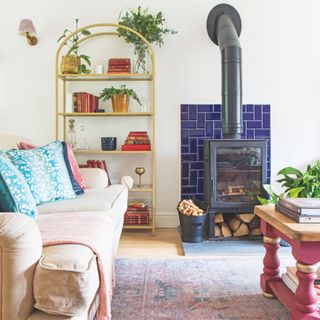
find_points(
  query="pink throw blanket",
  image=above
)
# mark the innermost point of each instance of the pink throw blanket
(93, 230)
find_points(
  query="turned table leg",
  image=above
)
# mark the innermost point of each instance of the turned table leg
(271, 265)
(305, 296)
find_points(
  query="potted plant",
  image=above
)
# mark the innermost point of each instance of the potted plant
(72, 62)
(297, 184)
(151, 26)
(120, 97)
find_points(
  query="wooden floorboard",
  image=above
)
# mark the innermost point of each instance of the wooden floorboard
(141, 244)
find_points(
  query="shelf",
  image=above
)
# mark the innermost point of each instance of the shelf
(93, 151)
(106, 114)
(106, 77)
(143, 188)
(138, 226)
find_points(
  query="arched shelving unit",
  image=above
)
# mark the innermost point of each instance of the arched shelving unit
(62, 114)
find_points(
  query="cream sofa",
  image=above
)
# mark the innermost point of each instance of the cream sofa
(26, 266)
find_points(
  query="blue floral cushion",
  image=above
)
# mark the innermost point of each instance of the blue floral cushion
(15, 195)
(45, 172)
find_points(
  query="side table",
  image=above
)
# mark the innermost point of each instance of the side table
(305, 242)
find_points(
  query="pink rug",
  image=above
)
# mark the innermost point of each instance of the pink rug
(221, 288)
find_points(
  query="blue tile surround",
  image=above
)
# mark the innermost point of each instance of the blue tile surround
(203, 122)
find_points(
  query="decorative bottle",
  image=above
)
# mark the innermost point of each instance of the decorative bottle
(71, 134)
(81, 139)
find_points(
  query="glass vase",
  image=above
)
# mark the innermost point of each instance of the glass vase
(71, 134)
(141, 59)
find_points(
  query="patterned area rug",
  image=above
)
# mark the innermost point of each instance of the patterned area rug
(202, 289)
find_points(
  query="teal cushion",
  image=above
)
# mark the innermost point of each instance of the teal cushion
(45, 172)
(15, 195)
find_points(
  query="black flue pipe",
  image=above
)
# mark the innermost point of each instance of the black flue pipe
(224, 28)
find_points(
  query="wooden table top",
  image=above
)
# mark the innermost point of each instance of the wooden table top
(292, 229)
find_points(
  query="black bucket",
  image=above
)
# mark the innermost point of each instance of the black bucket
(193, 227)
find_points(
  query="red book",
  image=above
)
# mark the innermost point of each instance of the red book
(119, 61)
(138, 133)
(136, 147)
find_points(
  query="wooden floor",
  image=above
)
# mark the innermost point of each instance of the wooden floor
(141, 244)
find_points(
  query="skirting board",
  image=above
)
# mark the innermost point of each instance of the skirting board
(167, 219)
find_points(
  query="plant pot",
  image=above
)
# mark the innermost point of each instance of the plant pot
(120, 103)
(70, 64)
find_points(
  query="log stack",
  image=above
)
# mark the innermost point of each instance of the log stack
(237, 225)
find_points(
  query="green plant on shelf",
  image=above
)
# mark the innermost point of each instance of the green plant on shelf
(151, 26)
(296, 184)
(73, 46)
(108, 93)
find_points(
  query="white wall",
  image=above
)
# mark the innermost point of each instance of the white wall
(281, 66)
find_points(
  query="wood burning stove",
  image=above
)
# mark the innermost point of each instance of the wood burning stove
(234, 172)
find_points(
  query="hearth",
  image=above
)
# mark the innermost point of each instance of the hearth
(234, 172)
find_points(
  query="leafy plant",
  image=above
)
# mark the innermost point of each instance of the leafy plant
(296, 184)
(151, 26)
(73, 46)
(107, 93)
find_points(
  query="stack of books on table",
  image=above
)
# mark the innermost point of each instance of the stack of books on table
(85, 102)
(291, 280)
(119, 65)
(137, 141)
(303, 210)
(137, 213)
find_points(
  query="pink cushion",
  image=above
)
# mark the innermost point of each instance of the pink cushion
(72, 159)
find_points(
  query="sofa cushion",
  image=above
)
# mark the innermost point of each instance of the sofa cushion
(15, 195)
(93, 200)
(66, 280)
(45, 172)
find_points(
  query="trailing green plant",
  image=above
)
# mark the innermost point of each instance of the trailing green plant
(150, 26)
(107, 93)
(73, 46)
(296, 184)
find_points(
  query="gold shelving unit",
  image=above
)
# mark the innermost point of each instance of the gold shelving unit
(62, 113)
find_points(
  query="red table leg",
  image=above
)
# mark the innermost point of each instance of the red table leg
(305, 302)
(271, 264)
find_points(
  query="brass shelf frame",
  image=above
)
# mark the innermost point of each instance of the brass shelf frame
(65, 78)
(107, 114)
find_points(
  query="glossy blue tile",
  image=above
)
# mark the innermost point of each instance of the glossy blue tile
(189, 190)
(185, 169)
(192, 112)
(209, 129)
(249, 107)
(204, 108)
(201, 120)
(184, 108)
(254, 124)
(218, 124)
(196, 133)
(193, 145)
(200, 185)
(266, 120)
(217, 107)
(200, 153)
(250, 134)
(262, 133)
(188, 124)
(184, 116)
(184, 182)
(248, 116)
(197, 165)
(193, 177)
(257, 112)
(217, 134)
(266, 108)
(185, 149)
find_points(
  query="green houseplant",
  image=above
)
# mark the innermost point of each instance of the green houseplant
(120, 97)
(296, 184)
(72, 62)
(151, 26)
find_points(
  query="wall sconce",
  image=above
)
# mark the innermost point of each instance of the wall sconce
(26, 28)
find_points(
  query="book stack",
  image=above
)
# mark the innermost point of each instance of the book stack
(291, 280)
(302, 210)
(119, 65)
(84, 102)
(137, 141)
(137, 213)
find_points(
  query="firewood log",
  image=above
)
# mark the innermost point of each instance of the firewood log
(255, 232)
(255, 223)
(246, 217)
(218, 218)
(217, 231)
(243, 230)
(225, 229)
(234, 223)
